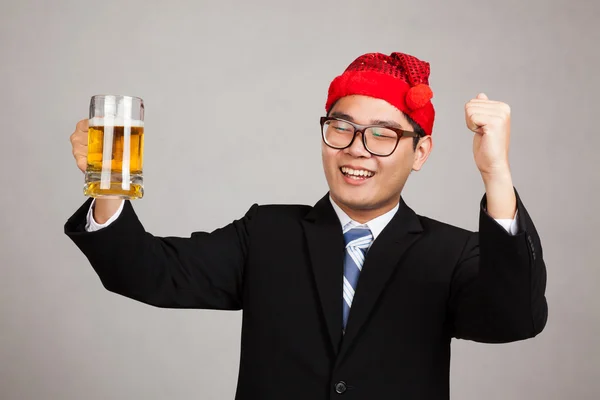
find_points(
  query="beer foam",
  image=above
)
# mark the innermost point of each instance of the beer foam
(116, 121)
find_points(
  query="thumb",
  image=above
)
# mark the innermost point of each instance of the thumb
(482, 96)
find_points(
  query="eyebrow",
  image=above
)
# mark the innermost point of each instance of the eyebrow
(393, 124)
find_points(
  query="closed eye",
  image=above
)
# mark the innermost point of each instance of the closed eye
(382, 135)
(340, 129)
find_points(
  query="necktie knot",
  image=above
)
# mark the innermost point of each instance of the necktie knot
(358, 237)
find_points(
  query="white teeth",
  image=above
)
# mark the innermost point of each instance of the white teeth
(355, 172)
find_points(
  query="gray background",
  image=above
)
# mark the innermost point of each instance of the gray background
(254, 75)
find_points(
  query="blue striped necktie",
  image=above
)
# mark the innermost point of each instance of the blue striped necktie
(358, 240)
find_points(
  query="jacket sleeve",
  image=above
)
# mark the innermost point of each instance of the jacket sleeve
(204, 270)
(498, 285)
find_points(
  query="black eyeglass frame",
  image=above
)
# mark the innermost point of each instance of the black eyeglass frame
(361, 129)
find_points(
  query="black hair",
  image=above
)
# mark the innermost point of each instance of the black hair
(418, 130)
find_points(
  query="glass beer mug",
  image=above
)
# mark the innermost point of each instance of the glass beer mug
(115, 147)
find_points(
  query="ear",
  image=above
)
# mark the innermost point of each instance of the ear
(422, 152)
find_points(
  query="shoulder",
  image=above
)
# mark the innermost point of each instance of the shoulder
(434, 226)
(272, 222)
(294, 211)
(441, 240)
(278, 212)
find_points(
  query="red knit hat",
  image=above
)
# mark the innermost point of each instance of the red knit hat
(400, 79)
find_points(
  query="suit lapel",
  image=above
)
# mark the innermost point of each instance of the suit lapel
(381, 261)
(326, 248)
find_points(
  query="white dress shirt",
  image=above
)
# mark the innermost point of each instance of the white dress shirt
(376, 225)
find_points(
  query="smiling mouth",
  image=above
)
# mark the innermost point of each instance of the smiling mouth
(356, 174)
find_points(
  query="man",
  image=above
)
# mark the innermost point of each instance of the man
(357, 296)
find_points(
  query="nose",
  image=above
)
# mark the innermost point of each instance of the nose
(357, 149)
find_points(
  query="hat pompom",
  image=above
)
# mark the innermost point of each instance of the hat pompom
(419, 95)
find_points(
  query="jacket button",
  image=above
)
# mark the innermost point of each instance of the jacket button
(340, 387)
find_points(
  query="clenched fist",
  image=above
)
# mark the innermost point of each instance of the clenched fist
(490, 120)
(79, 142)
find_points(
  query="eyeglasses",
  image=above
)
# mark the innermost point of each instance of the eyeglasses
(378, 140)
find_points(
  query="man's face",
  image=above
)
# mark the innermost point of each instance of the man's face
(381, 191)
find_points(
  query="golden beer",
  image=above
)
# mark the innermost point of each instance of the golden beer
(115, 147)
(115, 159)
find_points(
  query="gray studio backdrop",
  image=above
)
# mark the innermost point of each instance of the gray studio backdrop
(233, 93)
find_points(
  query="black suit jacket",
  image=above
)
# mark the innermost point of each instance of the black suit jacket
(423, 283)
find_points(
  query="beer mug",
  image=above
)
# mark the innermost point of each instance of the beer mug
(115, 147)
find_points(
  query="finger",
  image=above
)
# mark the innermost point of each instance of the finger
(486, 110)
(79, 152)
(482, 96)
(483, 120)
(503, 112)
(79, 137)
(80, 147)
(471, 124)
(474, 127)
(83, 125)
(489, 103)
(81, 161)
(476, 121)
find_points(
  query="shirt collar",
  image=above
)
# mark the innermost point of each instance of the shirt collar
(376, 225)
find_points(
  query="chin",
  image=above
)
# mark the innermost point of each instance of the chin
(355, 201)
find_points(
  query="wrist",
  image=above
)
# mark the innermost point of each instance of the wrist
(497, 177)
(501, 201)
(104, 208)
